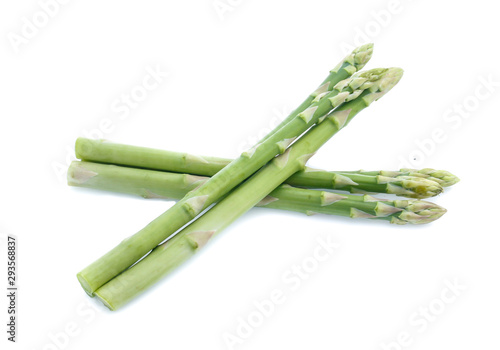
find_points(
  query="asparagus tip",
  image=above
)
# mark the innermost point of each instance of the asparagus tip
(420, 187)
(389, 79)
(362, 55)
(356, 60)
(443, 177)
(420, 212)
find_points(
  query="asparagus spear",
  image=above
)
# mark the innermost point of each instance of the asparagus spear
(160, 184)
(142, 182)
(351, 64)
(442, 177)
(406, 186)
(312, 202)
(135, 247)
(191, 239)
(401, 183)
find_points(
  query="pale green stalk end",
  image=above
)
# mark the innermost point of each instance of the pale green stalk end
(85, 285)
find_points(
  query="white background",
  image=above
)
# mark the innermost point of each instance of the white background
(230, 77)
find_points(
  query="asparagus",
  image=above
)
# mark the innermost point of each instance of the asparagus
(134, 181)
(406, 186)
(313, 202)
(351, 64)
(400, 183)
(442, 177)
(160, 184)
(191, 239)
(135, 247)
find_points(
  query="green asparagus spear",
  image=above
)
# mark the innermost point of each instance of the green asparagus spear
(135, 247)
(312, 202)
(402, 183)
(351, 64)
(160, 184)
(442, 177)
(135, 181)
(185, 244)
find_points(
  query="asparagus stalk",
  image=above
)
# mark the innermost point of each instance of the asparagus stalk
(351, 64)
(406, 186)
(401, 183)
(312, 202)
(134, 181)
(135, 247)
(191, 239)
(442, 177)
(160, 184)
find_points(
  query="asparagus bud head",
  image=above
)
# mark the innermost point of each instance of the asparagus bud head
(443, 177)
